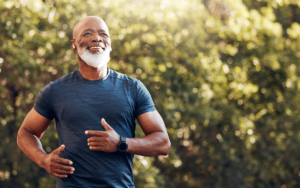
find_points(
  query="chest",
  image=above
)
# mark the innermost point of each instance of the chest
(87, 105)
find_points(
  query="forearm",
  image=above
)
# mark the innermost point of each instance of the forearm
(31, 146)
(154, 144)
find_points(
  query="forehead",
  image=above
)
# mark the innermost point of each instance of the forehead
(90, 23)
(93, 24)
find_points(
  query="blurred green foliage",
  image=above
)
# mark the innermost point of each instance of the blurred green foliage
(222, 73)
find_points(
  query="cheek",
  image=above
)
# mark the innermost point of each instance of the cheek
(107, 40)
(82, 43)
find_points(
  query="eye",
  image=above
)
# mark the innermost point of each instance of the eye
(104, 34)
(85, 34)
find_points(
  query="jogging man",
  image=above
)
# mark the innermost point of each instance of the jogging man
(95, 110)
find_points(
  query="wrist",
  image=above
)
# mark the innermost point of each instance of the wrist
(122, 146)
(41, 162)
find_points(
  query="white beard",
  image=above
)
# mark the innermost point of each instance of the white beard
(97, 60)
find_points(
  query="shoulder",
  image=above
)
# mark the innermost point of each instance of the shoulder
(64, 79)
(123, 78)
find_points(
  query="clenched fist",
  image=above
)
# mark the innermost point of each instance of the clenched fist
(57, 166)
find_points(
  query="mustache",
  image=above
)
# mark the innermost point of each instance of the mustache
(96, 44)
(86, 50)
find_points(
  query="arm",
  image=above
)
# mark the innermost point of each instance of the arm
(156, 140)
(32, 129)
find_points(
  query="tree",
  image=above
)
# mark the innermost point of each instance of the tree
(223, 74)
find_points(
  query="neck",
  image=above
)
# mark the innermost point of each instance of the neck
(91, 73)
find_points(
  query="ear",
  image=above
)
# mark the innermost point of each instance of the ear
(73, 45)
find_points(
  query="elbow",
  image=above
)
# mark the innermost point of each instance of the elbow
(18, 140)
(166, 148)
(19, 135)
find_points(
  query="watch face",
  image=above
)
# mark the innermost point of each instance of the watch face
(123, 146)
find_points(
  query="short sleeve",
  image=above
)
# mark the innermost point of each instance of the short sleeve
(144, 102)
(43, 103)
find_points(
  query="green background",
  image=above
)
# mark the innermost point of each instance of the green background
(222, 73)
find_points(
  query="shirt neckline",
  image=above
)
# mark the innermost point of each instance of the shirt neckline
(93, 81)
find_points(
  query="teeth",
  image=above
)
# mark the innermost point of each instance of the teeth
(97, 47)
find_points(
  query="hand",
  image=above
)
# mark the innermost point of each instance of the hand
(53, 164)
(104, 140)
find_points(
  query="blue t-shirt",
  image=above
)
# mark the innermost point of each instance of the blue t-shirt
(78, 104)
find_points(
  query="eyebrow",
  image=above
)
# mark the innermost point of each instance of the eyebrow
(93, 30)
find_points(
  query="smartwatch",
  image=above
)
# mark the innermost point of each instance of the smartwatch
(122, 146)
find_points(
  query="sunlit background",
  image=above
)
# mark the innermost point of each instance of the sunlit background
(222, 73)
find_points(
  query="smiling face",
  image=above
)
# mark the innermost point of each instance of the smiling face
(92, 42)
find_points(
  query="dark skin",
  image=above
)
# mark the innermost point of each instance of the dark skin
(91, 33)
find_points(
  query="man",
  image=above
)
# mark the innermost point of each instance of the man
(95, 110)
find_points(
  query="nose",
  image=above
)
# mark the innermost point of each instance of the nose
(96, 38)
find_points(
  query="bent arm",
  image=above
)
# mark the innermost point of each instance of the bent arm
(156, 140)
(32, 129)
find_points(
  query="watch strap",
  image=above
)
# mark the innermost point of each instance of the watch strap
(123, 139)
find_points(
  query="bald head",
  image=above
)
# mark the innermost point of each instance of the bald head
(87, 22)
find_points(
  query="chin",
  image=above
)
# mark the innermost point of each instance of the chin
(96, 60)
